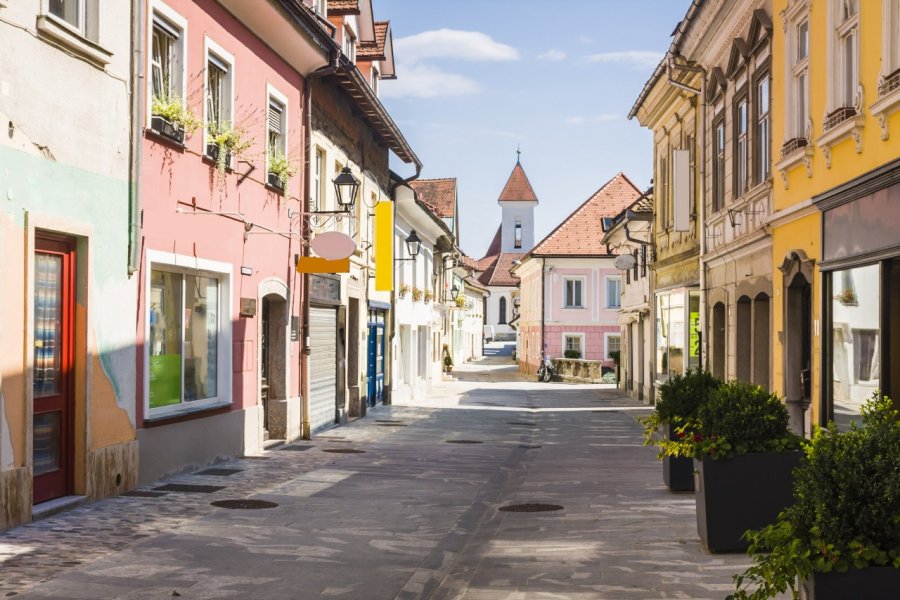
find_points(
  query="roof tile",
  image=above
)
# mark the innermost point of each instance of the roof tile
(374, 50)
(438, 194)
(517, 187)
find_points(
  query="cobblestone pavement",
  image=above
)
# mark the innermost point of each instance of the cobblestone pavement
(412, 516)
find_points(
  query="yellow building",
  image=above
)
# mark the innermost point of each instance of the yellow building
(836, 220)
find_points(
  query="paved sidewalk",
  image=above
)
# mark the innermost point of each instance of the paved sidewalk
(411, 517)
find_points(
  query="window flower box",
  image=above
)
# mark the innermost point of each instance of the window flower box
(275, 181)
(212, 151)
(167, 129)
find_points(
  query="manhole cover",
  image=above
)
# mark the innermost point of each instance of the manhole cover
(244, 504)
(523, 423)
(464, 442)
(532, 447)
(391, 424)
(190, 489)
(219, 472)
(143, 494)
(343, 450)
(531, 507)
(295, 448)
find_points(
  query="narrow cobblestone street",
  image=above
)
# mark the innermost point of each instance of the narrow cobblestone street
(401, 504)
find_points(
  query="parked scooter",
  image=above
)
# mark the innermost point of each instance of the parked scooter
(546, 371)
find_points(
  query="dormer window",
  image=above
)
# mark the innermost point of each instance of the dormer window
(349, 44)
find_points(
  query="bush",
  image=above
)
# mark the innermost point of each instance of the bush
(572, 354)
(679, 399)
(846, 510)
(737, 418)
(615, 355)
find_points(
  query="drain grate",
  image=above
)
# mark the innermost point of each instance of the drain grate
(531, 447)
(531, 507)
(143, 494)
(391, 424)
(244, 504)
(188, 488)
(464, 441)
(523, 423)
(219, 472)
(343, 451)
(254, 458)
(295, 448)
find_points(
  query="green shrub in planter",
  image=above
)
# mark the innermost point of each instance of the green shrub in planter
(572, 354)
(845, 518)
(679, 399)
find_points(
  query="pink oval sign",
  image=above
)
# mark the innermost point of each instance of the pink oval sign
(333, 245)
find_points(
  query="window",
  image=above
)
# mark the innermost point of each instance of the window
(502, 319)
(188, 336)
(848, 34)
(664, 191)
(73, 12)
(573, 345)
(740, 147)
(219, 78)
(376, 76)
(573, 293)
(320, 7)
(718, 164)
(763, 135)
(518, 234)
(613, 344)
(613, 292)
(276, 138)
(318, 181)
(843, 69)
(891, 43)
(349, 44)
(166, 62)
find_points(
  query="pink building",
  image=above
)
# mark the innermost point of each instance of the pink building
(224, 144)
(570, 292)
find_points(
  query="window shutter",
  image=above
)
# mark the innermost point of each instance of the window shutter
(276, 115)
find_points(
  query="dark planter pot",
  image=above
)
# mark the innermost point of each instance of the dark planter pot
(678, 471)
(167, 129)
(741, 493)
(212, 151)
(873, 583)
(275, 182)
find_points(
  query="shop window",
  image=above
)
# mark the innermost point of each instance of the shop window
(718, 340)
(761, 340)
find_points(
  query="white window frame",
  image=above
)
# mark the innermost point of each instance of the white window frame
(320, 7)
(741, 145)
(582, 281)
(81, 16)
(890, 38)
(837, 69)
(220, 54)
(796, 107)
(189, 265)
(606, 337)
(575, 335)
(273, 94)
(166, 13)
(517, 233)
(318, 179)
(763, 129)
(349, 45)
(606, 281)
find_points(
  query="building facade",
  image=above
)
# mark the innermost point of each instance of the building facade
(68, 248)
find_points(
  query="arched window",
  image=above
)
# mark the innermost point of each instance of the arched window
(502, 320)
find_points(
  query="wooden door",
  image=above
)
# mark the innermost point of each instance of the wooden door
(54, 309)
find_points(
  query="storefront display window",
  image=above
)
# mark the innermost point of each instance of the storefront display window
(677, 332)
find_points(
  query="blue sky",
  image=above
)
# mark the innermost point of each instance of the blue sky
(477, 78)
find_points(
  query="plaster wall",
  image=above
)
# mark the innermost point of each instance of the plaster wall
(513, 212)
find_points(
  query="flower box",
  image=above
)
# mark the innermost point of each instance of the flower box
(275, 182)
(212, 151)
(167, 129)
(678, 471)
(871, 582)
(740, 493)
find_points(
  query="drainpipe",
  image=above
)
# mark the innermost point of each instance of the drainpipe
(138, 39)
(543, 305)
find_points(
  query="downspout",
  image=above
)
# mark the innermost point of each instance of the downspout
(543, 305)
(138, 39)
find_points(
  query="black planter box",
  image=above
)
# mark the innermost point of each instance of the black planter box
(741, 493)
(678, 471)
(167, 129)
(873, 583)
(275, 182)
(212, 151)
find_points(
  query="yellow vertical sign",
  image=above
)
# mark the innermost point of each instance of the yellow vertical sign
(384, 246)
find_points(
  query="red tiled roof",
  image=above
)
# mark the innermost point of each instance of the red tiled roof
(492, 251)
(497, 273)
(438, 194)
(581, 233)
(374, 50)
(517, 187)
(343, 7)
(468, 262)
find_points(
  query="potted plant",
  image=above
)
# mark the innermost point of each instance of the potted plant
(171, 118)
(676, 407)
(572, 354)
(223, 143)
(429, 295)
(460, 302)
(744, 458)
(404, 289)
(448, 360)
(280, 171)
(847, 297)
(416, 294)
(841, 537)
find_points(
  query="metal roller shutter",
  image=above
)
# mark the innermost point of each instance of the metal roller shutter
(322, 367)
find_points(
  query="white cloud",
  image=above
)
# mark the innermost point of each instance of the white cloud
(636, 58)
(453, 44)
(552, 54)
(602, 118)
(425, 81)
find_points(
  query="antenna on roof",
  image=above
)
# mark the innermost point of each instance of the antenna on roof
(518, 153)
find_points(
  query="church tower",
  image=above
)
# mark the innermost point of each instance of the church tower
(517, 201)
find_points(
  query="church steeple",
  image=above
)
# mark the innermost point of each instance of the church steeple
(518, 201)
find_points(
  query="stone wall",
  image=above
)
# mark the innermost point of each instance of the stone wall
(587, 371)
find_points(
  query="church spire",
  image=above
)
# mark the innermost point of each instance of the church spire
(518, 154)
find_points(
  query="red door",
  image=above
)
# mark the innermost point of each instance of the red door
(54, 308)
